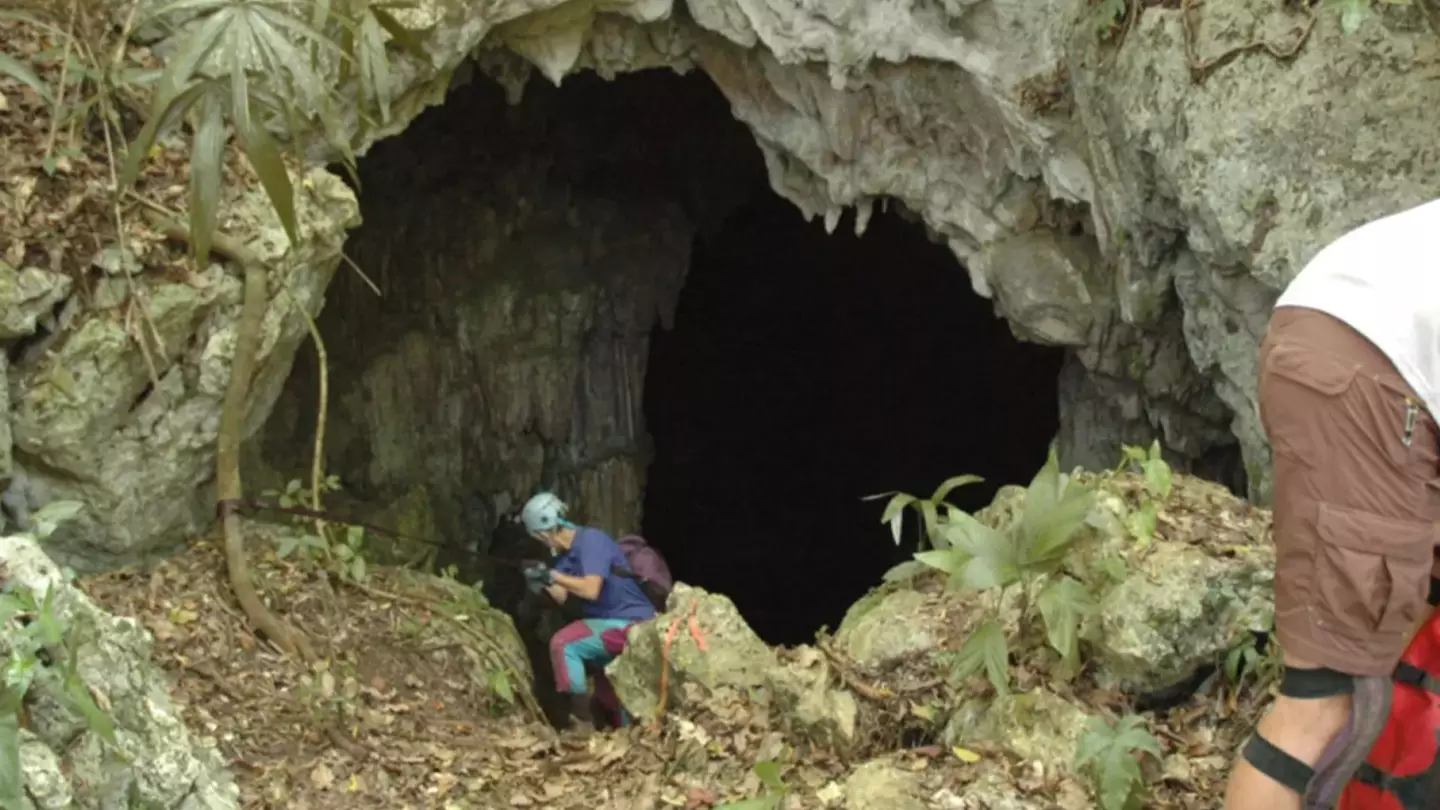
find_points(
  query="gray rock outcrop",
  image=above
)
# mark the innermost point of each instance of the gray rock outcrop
(66, 761)
(1107, 200)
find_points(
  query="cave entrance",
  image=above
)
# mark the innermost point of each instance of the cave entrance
(595, 291)
(806, 370)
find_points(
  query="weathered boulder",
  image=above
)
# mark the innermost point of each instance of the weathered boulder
(65, 758)
(26, 296)
(1167, 606)
(733, 656)
(886, 627)
(733, 661)
(91, 424)
(881, 784)
(1038, 725)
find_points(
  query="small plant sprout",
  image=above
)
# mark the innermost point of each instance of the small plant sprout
(1111, 755)
(773, 793)
(928, 509)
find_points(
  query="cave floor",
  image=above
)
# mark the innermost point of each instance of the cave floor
(420, 731)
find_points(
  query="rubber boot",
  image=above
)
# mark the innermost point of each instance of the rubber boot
(581, 716)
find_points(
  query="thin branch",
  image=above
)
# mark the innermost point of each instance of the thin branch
(1200, 69)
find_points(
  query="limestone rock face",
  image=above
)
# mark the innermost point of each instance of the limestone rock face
(65, 763)
(89, 423)
(734, 661)
(1107, 200)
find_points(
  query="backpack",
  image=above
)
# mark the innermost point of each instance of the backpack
(647, 567)
(1402, 770)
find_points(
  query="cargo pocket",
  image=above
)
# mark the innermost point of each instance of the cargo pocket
(1372, 573)
(1292, 379)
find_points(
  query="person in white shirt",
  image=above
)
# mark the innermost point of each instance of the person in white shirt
(1349, 389)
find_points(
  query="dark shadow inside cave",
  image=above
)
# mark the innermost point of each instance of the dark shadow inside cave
(806, 370)
(529, 259)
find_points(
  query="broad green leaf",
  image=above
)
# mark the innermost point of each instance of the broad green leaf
(357, 568)
(1119, 778)
(1141, 523)
(948, 560)
(20, 671)
(354, 536)
(403, 36)
(1352, 14)
(1049, 527)
(12, 781)
(907, 570)
(52, 631)
(1135, 454)
(1113, 567)
(768, 771)
(986, 650)
(1093, 741)
(207, 160)
(1158, 477)
(166, 107)
(21, 72)
(762, 803)
(951, 483)
(264, 155)
(80, 698)
(1131, 735)
(894, 513)
(500, 684)
(1155, 453)
(1063, 604)
(58, 512)
(992, 561)
(931, 526)
(287, 546)
(375, 63)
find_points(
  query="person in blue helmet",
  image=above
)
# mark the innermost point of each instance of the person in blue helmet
(584, 568)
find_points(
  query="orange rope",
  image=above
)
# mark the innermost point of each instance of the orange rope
(694, 627)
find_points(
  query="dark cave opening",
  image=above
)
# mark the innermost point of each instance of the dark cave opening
(807, 370)
(529, 258)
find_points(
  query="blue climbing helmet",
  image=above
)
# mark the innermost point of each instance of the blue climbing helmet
(543, 513)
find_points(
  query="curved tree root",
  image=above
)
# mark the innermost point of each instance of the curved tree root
(228, 490)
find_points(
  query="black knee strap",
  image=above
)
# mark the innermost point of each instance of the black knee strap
(1278, 765)
(1434, 598)
(1309, 684)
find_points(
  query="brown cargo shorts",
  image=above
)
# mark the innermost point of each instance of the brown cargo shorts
(1356, 496)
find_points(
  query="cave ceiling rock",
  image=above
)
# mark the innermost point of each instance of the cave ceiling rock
(90, 425)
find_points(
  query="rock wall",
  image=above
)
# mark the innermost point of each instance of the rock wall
(1109, 200)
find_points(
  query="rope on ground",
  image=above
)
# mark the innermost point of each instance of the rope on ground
(1200, 69)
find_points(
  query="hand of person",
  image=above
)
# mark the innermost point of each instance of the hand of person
(538, 576)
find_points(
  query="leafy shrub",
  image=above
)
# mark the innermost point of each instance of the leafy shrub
(263, 65)
(340, 546)
(37, 638)
(1026, 555)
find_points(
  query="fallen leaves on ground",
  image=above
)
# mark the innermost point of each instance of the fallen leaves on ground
(431, 735)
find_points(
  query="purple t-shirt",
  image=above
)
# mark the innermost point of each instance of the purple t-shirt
(595, 552)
